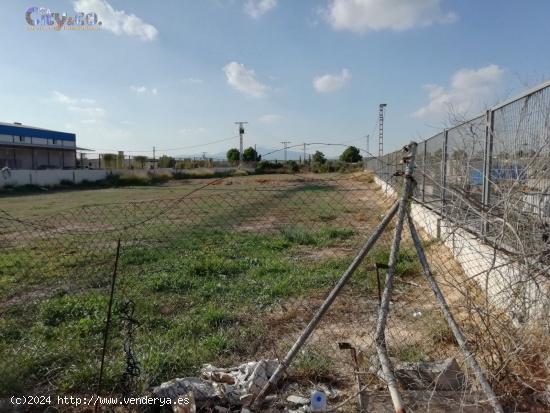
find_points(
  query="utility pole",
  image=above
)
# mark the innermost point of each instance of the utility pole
(255, 154)
(367, 155)
(304, 153)
(241, 133)
(154, 157)
(381, 129)
(285, 143)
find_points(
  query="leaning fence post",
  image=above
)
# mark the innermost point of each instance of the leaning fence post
(380, 338)
(291, 355)
(457, 333)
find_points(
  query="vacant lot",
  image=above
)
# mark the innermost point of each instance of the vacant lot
(229, 273)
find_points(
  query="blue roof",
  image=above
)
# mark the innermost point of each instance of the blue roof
(23, 130)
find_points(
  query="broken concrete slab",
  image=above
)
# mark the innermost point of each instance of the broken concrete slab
(209, 372)
(297, 400)
(445, 375)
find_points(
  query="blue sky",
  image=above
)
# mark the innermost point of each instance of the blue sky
(178, 73)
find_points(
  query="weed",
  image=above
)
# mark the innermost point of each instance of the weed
(313, 365)
(409, 353)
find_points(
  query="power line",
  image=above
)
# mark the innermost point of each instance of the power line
(174, 149)
(314, 143)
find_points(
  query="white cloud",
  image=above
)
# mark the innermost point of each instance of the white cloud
(468, 92)
(330, 83)
(257, 8)
(89, 111)
(244, 80)
(83, 106)
(361, 16)
(117, 21)
(138, 89)
(62, 98)
(270, 119)
(143, 89)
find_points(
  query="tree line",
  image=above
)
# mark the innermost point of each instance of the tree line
(351, 154)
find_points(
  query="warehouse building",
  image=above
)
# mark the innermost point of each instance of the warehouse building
(27, 147)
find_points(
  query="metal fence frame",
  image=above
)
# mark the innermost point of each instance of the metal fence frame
(513, 133)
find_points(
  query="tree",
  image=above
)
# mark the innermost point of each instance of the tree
(140, 159)
(233, 155)
(250, 155)
(351, 154)
(319, 157)
(166, 162)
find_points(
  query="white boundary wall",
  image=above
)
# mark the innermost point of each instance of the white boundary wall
(52, 177)
(49, 177)
(505, 283)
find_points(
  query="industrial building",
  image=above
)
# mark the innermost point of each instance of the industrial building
(27, 147)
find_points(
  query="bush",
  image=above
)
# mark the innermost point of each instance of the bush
(267, 167)
(207, 173)
(293, 165)
(131, 179)
(160, 177)
(351, 154)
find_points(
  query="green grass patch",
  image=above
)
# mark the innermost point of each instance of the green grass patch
(313, 364)
(200, 287)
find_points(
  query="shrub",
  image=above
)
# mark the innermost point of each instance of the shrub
(266, 167)
(131, 179)
(293, 166)
(351, 154)
(160, 177)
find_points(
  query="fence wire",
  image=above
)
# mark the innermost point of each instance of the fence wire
(230, 271)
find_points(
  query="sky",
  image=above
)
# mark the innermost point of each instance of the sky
(177, 74)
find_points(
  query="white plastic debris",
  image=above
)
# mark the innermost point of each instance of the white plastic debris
(318, 401)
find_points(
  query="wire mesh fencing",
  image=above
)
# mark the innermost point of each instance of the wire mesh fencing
(228, 274)
(483, 192)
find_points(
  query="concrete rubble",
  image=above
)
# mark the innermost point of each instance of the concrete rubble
(226, 390)
(444, 375)
(217, 387)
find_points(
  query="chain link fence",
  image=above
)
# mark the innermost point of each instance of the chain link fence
(115, 291)
(498, 162)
